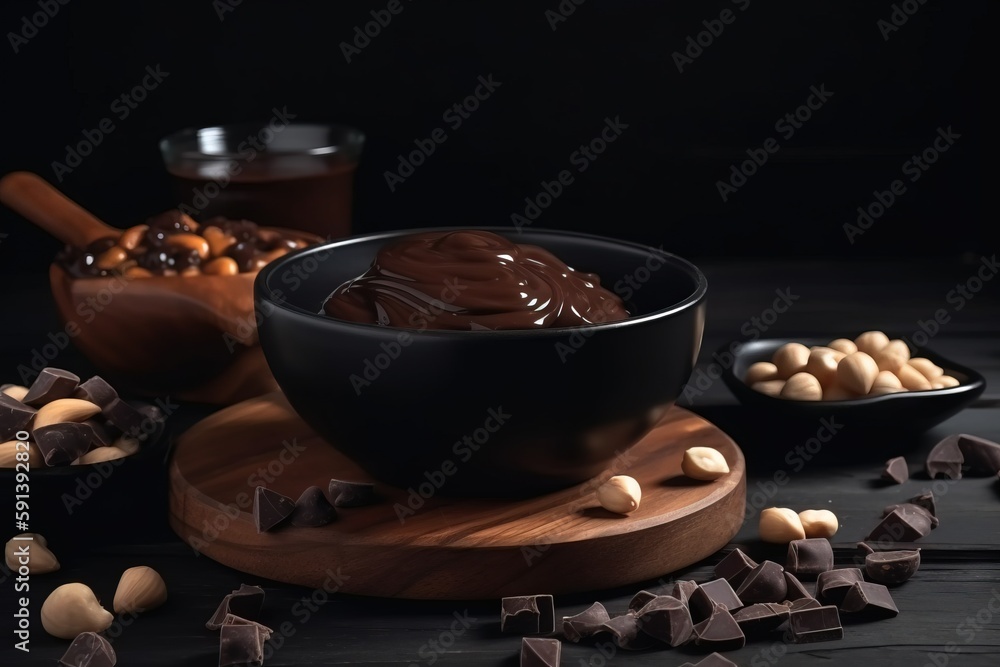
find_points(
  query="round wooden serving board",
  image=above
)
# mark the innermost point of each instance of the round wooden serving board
(446, 548)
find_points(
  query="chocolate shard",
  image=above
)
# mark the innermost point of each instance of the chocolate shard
(757, 620)
(809, 557)
(246, 602)
(713, 660)
(804, 603)
(667, 619)
(892, 567)
(910, 509)
(868, 601)
(64, 442)
(127, 419)
(352, 494)
(719, 632)
(97, 391)
(946, 459)
(270, 508)
(626, 634)
(89, 649)
(981, 455)
(587, 623)
(925, 500)
(683, 590)
(240, 645)
(540, 652)
(832, 586)
(795, 589)
(765, 583)
(639, 600)
(264, 631)
(896, 470)
(899, 526)
(527, 615)
(14, 416)
(153, 421)
(819, 624)
(313, 509)
(704, 599)
(735, 567)
(104, 436)
(51, 383)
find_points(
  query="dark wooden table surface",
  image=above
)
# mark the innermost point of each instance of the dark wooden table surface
(949, 611)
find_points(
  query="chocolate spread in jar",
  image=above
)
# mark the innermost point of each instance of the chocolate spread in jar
(467, 280)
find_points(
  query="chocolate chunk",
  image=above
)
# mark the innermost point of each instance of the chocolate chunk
(64, 442)
(14, 416)
(89, 649)
(667, 619)
(804, 603)
(264, 631)
(684, 589)
(240, 645)
(925, 500)
(765, 583)
(153, 421)
(313, 509)
(832, 585)
(104, 436)
(945, 459)
(759, 619)
(639, 600)
(892, 567)
(527, 615)
(712, 660)
(711, 593)
(270, 508)
(808, 558)
(896, 470)
(51, 383)
(97, 391)
(352, 494)
(245, 602)
(735, 567)
(126, 418)
(795, 589)
(538, 652)
(910, 509)
(870, 602)
(819, 624)
(719, 631)
(900, 526)
(625, 632)
(981, 455)
(585, 624)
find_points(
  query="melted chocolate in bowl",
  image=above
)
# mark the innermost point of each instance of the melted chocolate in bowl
(468, 280)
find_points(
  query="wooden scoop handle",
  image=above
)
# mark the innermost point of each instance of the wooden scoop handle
(35, 199)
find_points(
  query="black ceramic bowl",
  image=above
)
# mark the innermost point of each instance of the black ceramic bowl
(483, 412)
(905, 412)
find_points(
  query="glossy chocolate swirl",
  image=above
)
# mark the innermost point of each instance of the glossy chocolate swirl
(468, 280)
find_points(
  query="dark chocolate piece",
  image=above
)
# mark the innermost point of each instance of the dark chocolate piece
(270, 508)
(89, 649)
(810, 557)
(126, 419)
(64, 442)
(712, 660)
(352, 494)
(795, 589)
(719, 631)
(946, 459)
(667, 619)
(870, 602)
(832, 585)
(981, 455)
(240, 645)
(900, 526)
(892, 567)
(264, 631)
(104, 436)
(735, 567)
(153, 421)
(909, 509)
(313, 509)
(804, 603)
(683, 590)
(639, 600)
(527, 615)
(765, 583)
(819, 624)
(896, 470)
(626, 634)
(14, 416)
(711, 593)
(925, 500)
(246, 602)
(759, 619)
(539, 652)
(585, 624)
(51, 383)
(97, 391)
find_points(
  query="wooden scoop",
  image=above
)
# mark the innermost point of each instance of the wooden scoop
(35, 199)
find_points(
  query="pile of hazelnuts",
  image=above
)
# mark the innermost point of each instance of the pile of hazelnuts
(870, 365)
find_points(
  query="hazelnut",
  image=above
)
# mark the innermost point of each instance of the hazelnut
(843, 345)
(140, 589)
(819, 523)
(780, 525)
(913, 379)
(72, 609)
(760, 372)
(886, 382)
(944, 381)
(893, 356)
(857, 372)
(927, 368)
(769, 387)
(704, 463)
(620, 494)
(802, 387)
(39, 559)
(822, 364)
(871, 342)
(790, 359)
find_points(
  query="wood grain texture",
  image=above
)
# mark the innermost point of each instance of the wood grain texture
(446, 548)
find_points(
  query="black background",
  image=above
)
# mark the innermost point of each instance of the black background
(656, 183)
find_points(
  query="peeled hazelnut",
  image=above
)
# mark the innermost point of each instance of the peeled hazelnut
(843, 345)
(943, 382)
(72, 609)
(857, 372)
(140, 589)
(100, 455)
(111, 258)
(790, 359)
(137, 272)
(65, 410)
(911, 378)
(780, 525)
(837, 392)
(620, 494)
(132, 237)
(822, 364)
(760, 372)
(221, 266)
(893, 356)
(802, 387)
(927, 368)
(15, 391)
(769, 387)
(871, 342)
(35, 551)
(190, 242)
(127, 444)
(704, 463)
(886, 382)
(819, 523)
(218, 240)
(10, 449)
